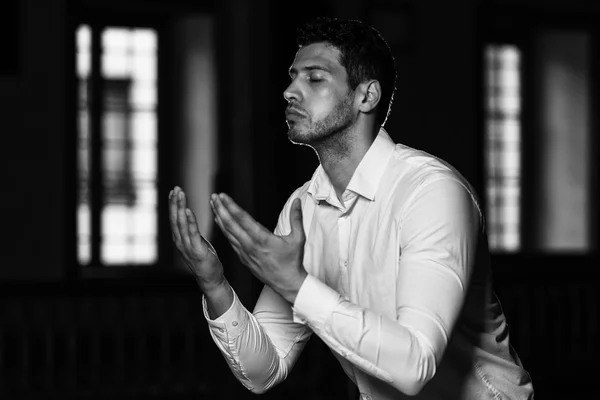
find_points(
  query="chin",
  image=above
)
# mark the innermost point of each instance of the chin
(296, 136)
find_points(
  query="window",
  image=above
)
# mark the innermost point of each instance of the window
(117, 209)
(540, 182)
(503, 146)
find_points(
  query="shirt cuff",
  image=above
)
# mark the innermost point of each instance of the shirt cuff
(314, 303)
(231, 323)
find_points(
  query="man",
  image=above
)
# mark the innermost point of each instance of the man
(382, 254)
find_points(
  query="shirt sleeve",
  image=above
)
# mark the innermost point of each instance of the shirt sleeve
(440, 227)
(260, 347)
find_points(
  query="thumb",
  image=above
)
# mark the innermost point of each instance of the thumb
(296, 219)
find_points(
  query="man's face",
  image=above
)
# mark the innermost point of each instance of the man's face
(320, 102)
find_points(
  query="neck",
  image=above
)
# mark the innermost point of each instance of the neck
(340, 155)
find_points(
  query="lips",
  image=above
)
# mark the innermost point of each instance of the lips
(293, 114)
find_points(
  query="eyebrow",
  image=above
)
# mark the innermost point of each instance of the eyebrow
(312, 67)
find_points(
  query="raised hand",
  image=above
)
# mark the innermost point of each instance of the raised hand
(275, 260)
(196, 251)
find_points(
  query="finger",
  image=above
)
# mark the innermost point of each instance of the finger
(238, 217)
(235, 245)
(229, 225)
(173, 214)
(296, 220)
(232, 240)
(209, 245)
(196, 240)
(182, 224)
(243, 218)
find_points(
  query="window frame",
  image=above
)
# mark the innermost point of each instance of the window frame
(98, 20)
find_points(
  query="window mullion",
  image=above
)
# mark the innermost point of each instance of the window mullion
(96, 88)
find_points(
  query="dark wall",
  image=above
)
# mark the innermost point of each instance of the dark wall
(33, 152)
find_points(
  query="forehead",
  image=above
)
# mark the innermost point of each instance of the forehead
(318, 54)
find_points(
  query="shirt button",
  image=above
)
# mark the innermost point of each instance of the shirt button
(234, 323)
(346, 263)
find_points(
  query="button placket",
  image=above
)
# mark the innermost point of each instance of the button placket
(343, 233)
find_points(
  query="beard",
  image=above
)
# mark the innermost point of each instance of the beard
(327, 130)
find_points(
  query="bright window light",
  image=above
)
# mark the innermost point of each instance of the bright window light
(128, 214)
(503, 147)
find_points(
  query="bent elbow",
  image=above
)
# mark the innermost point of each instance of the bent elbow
(259, 390)
(255, 386)
(259, 378)
(411, 384)
(415, 387)
(262, 389)
(261, 386)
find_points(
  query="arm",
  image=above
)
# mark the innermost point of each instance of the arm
(260, 348)
(198, 254)
(439, 230)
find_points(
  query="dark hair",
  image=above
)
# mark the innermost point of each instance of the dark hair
(363, 53)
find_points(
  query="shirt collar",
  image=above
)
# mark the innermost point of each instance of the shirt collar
(365, 179)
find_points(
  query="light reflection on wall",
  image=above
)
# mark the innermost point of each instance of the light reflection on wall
(562, 63)
(198, 113)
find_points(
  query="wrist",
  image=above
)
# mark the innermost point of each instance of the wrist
(292, 292)
(213, 286)
(219, 297)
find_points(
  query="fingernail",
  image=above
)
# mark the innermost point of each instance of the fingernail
(170, 194)
(180, 195)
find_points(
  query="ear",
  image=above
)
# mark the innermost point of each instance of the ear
(369, 94)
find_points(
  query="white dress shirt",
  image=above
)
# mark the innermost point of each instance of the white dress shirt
(399, 288)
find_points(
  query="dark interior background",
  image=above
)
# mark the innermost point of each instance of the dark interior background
(141, 334)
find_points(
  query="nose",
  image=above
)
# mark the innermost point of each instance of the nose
(292, 93)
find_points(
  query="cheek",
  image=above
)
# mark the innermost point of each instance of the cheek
(322, 104)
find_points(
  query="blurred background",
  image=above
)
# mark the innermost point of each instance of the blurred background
(105, 105)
